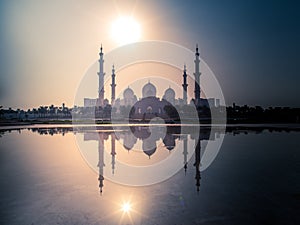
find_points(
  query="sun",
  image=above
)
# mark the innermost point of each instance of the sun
(126, 207)
(125, 30)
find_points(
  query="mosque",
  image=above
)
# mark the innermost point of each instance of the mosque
(149, 105)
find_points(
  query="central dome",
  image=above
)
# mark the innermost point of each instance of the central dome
(149, 90)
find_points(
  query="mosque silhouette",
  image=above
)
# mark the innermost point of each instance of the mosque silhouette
(149, 105)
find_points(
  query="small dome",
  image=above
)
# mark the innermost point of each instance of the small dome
(128, 93)
(169, 96)
(170, 93)
(149, 90)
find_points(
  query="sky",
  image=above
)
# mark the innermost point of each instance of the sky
(252, 47)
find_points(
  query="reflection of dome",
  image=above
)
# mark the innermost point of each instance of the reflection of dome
(169, 141)
(128, 93)
(149, 90)
(150, 152)
(129, 141)
(149, 145)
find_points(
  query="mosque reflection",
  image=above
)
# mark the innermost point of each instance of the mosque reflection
(151, 140)
(190, 142)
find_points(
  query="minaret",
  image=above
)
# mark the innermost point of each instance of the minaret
(101, 160)
(197, 77)
(101, 78)
(113, 85)
(184, 85)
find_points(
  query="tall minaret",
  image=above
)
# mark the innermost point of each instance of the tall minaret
(197, 77)
(113, 85)
(184, 85)
(101, 78)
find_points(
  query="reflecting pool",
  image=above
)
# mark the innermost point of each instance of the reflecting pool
(61, 174)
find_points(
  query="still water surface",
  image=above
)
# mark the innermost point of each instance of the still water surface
(55, 175)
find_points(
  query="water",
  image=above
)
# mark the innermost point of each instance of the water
(50, 176)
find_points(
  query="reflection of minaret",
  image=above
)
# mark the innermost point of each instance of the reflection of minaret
(184, 85)
(113, 152)
(197, 163)
(113, 85)
(185, 152)
(197, 77)
(101, 160)
(101, 79)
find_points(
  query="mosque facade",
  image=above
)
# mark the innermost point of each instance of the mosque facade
(149, 105)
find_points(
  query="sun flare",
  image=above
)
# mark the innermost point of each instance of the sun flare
(126, 207)
(125, 30)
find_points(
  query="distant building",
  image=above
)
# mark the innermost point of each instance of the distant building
(89, 102)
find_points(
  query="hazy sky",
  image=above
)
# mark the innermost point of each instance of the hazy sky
(252, 47)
